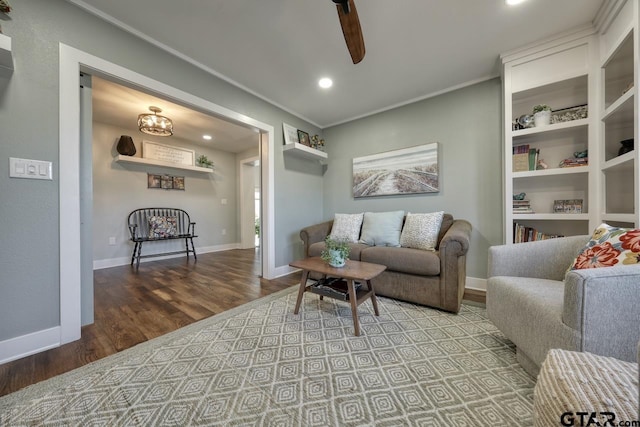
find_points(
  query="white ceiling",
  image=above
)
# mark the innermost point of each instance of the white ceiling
(278, 49)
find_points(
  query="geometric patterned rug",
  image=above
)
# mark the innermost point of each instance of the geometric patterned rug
(261, 365)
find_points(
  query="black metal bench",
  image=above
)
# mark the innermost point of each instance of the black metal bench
(160, 224)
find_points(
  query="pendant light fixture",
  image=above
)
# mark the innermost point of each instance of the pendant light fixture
(154, 124)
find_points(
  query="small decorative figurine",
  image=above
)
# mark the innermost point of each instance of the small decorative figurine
(541, 165)
(581, 154)
(519, 196)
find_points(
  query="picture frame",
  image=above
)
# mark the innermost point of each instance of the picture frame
(167, 182)
(154, 181)
(405, 171)
(167, 153)
(290, 134)
(303, 138)
(178, 183)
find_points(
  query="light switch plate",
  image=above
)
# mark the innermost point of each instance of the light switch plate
(30, 169)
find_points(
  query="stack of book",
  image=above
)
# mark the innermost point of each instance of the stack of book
(525, 158)
(522, 234)
(522, 206)
(574, 161)
(333, 287)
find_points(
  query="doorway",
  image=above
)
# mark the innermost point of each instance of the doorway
(72, 63)
(250, 202)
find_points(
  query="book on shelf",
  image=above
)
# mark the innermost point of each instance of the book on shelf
(334, 287)
(525, 158)
(522, 233)
(573, 162)
(522, 206)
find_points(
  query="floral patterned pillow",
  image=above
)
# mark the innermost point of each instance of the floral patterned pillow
(609, 246)
(162, 226)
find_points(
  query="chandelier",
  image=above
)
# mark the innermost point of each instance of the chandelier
(153, 124)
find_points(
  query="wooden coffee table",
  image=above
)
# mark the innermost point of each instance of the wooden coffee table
(352, 271)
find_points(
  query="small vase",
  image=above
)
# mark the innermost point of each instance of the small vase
(627, 145)
(337, 260)
(542, 118)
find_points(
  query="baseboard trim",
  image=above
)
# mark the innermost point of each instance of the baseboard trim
(116, 262)
(26, 345)
(284, 270)
(476, 284)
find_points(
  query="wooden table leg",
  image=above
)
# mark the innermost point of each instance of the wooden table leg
(353, 299)
(303, 287)
(374, 301)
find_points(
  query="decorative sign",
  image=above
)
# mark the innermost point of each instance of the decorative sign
(165, 153)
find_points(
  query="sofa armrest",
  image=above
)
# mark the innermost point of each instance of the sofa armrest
(455, 241)
(314, 234)
(543, 259)
(603, 304)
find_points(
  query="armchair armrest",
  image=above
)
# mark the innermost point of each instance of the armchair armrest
(604, 305)
(543, 259)
(314, 234)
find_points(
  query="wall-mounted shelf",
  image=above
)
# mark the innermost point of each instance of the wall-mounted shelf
(139, 160)
(302, 151)
(6, 57)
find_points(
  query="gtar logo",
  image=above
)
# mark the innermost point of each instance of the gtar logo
(584, 419)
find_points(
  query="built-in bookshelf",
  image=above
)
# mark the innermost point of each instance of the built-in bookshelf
(548, 164)
(6, 55)
(619, 106)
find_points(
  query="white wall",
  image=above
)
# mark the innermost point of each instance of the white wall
(119, 188)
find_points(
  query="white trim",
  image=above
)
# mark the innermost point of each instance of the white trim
(71, 62)
(241, 163)
(414, 100)
(108, 18)
(476, 284)
(26, 345)
(285, 270)
(117, 262)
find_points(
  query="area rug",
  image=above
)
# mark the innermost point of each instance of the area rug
(261, 365)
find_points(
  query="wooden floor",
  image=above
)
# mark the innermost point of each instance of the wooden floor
(133, 306)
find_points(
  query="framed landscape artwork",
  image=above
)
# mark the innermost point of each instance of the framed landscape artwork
(405, 171)
(290, 134)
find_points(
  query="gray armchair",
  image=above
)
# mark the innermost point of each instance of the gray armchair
(537, 308)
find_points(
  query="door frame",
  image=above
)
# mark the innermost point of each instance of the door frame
(242, 163)
(72, 62)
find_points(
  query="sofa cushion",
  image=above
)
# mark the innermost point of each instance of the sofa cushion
(382, 228)
(403, 260)
(609, 246)
(316, 249)
(346, 227)
(420, 230)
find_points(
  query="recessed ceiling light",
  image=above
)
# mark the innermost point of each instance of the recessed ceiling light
(514, 2)
(325, 83)
(207, 137)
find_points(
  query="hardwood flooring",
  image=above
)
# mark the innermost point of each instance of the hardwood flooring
(133, 306)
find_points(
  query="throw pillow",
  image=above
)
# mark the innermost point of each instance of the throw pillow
(346, 227)
(382, 228)
(162, 226)
(609, 246)
(421, 230)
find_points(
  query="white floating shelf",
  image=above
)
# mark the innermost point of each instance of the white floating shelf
(6, 57)
(139, 160)
(302, 151)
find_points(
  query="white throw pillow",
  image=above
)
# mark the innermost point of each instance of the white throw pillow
(421, 230)
(382, 228)
(346, 227)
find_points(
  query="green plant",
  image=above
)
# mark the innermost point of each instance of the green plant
(339, 245)
(541, 107)
(204, 161)
(257, 226)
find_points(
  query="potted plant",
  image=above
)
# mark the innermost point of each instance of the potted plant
(203, 161)
(336, 252)
(542, 114)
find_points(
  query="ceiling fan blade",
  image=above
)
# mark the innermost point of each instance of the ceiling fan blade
(351, 29)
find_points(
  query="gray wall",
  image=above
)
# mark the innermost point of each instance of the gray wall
(29, 255)
(466, 124)
(119, 188)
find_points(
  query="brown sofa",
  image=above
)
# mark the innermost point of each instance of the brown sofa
(436, 279)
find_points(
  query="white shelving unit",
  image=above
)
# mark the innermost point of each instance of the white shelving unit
(6, 56)
(558, 74)
(302, 151)
(139, 160)
(618, 119)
